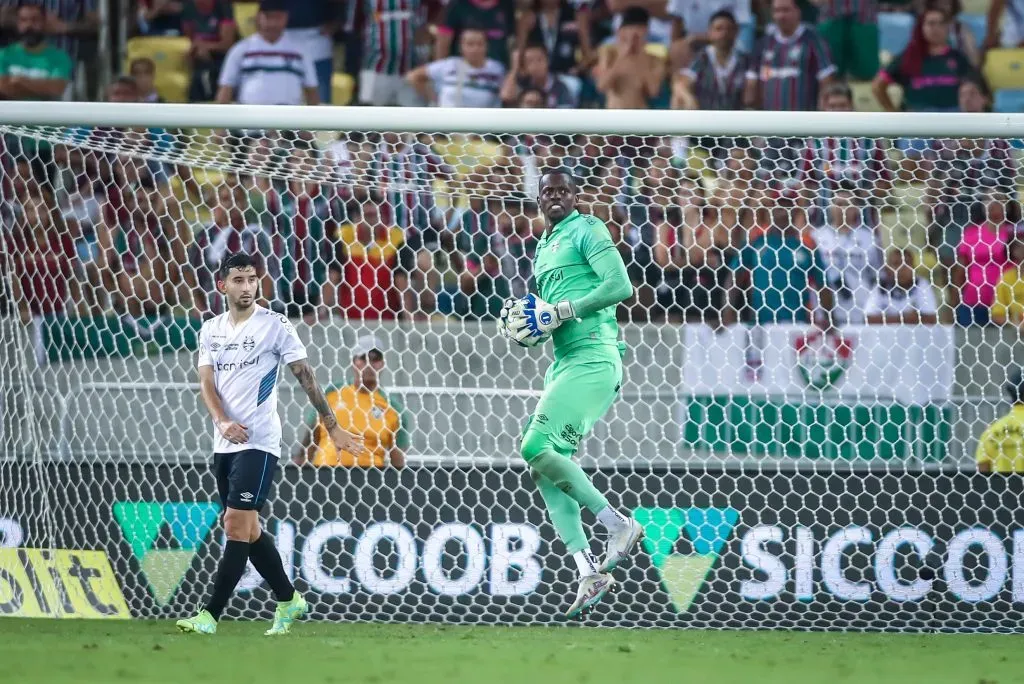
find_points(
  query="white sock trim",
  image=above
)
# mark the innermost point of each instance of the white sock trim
(585, 563)
(611, 519)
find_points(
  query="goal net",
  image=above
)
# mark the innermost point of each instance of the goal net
(822, 327)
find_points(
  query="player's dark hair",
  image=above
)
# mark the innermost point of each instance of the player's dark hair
(724, 14)
(559, 171)
(1015, 386)
(236, 260)
(636, 16)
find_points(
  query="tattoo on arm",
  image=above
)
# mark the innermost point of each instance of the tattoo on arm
(307, 379)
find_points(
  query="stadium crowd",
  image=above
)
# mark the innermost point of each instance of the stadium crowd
(383, 226)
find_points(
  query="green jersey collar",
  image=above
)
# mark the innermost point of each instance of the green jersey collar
(575, 213)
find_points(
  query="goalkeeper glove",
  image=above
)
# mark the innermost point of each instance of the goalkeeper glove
(540, 318)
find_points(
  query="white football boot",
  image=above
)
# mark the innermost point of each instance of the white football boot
(592, 590)
(621, 545)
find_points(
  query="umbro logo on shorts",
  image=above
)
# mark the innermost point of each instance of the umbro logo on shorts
(245, 496)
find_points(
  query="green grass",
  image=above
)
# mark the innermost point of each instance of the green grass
(54, 651)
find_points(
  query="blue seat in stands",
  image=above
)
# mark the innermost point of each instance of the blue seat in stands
(894, 29)
(977, 23)
(1009, 101)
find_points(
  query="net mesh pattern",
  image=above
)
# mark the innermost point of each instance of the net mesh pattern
(820, 331)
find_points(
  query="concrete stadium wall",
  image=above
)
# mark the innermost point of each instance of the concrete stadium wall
(121, 409)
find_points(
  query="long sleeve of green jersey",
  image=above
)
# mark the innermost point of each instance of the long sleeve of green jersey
(597, 248)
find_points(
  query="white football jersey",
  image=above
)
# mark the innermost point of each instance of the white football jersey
(246, 364)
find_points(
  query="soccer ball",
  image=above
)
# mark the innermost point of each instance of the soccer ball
(507, 331)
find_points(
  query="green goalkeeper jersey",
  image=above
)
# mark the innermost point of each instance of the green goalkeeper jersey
(562, 270)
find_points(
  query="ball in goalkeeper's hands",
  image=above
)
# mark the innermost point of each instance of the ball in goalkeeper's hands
(512, 324)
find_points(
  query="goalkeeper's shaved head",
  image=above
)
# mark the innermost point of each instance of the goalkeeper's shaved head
(548, 173)
(557, 194)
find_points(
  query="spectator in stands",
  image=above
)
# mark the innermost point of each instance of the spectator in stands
(1008, 308)
(694, 260)
(627, 75)
(388, 51)
(229, 232)
(495, 19)
(313, 23)
(1001, 445)
(929, 70)
(850, 27)
(135, 252)
(71, 26)
(160, 17)
(829, 162)
(143, 71)
(33, 69)
(777, 272)
(694, 26)
(364, 409)
(1004, 28)
(790, 65)
(530, 71)
(409, 169)
(851, 254)
(901, 297)
(361, 273)
(960, 172)
(556, 26)
(471, 80)
(268, 67)
(210, 24)
(302, 214)
(663, 25)
(40, 253)
(981, 259)
(717, 78)
(961, 36)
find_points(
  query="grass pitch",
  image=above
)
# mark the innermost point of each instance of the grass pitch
(83, 652)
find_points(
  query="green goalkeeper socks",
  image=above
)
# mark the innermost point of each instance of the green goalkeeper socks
(563, 512)
(567, 476)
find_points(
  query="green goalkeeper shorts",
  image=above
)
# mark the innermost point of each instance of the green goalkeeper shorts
(579, 388)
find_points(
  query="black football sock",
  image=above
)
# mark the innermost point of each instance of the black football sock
(267, 561)
(229, 572)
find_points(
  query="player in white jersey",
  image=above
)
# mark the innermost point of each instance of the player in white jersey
(240, 357)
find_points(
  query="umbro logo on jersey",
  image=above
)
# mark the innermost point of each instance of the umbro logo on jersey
(215, 346)
(248, 344)
(377, 412)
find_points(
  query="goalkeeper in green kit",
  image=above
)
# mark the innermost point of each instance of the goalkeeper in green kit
(580, 280)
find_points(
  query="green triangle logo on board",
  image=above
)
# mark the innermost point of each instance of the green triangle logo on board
(683, 574)
(165, 538)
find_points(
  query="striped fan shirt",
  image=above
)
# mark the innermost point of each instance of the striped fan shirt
(863, 11)
(268, 73)
(716, 86)
(300, 243)
(408, 173)
(790, 69)
(459, 84)
(389, 33)
(827, 162)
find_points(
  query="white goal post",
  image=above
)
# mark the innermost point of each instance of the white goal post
(824, 323)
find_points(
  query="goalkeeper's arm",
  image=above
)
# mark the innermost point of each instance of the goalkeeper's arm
(614, 288)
